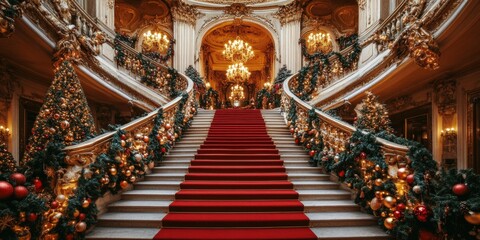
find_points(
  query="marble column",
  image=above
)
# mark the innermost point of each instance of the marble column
(371, 14)
(105, 12)
(290, 50)
(184, 19)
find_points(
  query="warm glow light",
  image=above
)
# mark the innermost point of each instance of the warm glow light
(237, 73)
(319, 42)
(236, 93)
(238, 51)
(207, 85)
(155, 42)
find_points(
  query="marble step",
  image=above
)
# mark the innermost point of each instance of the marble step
(314, 185)
(117, 233)
(330, 206)
(308, 177)
(158, 206)
(350, 233)
(149, 194)
(165, 177)
(333, 194)
(340, 219)
(131, 219)
(158, 185)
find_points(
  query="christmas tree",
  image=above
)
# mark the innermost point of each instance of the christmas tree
(373, 116)
(63, 120)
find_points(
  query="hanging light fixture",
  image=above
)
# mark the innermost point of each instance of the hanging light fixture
(319, 42)
(238, 51)
(237, 73)
(155, 42)
(236, 93)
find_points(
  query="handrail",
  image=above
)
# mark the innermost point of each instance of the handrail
(338, 124)
(101, 139)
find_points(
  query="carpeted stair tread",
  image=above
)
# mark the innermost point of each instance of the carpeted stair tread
(235, 169)
(236, 206)
(249, 162)
(237, 156)
(271, 219)
(236, 234)
(236, 176)
(236, 185)
(238, 146)
(236, 151)
(236, 194)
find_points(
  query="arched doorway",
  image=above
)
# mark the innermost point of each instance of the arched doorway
(215, 65)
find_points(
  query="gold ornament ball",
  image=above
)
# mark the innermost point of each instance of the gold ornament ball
(60, 198)
(65, 124)
(389, 223)
(85, 203)
(113, 171)
(472, 218)
(133, 179)
(123, 143)
(128, 173)
(76, 213)
(378, 168)
(378, 182)
(81, 227)
(402, 173)
(389, 201)
(375, 204)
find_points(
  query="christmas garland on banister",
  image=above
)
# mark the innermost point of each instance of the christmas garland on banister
(346, 61)
(207, 100)
(157, 148)
(172, 82)
(181, 124)
(130, 41)
(346, 41)
(162, 58)
(410, 196)
(260, 95)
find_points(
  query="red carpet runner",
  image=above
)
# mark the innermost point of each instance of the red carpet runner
(236, 187)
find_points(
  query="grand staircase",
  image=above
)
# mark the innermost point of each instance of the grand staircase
(236, 187)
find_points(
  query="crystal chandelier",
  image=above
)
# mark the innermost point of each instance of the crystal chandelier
(319, 42)
(236, 92)
(155, 42)
(237, 73)
(238, 51)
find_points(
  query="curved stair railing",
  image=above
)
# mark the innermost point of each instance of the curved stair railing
(407, 34)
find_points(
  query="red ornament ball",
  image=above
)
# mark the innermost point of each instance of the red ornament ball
(164, 150)
(341, 173)
(424, 234)
(460, 189)
(32, 217)
(20, 192)
(397, 214)
(54, 205)
(82, 216)
(6, 190)
(421, 213)
(123, 137)
(312, 153)
(401, 207)
(363, 155)
(297, 141)
(292, 130)
(38, 184)
(18, 178)
(410, 179)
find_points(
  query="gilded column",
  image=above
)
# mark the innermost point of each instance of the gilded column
(290, 50)
(184, 19)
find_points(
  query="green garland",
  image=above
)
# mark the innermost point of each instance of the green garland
(156, 150)
(346, 61)
(179, 119)
(347, 41)
(173, 83)
(162, 57)
(260, 95)
(194, 75)
(130, 41)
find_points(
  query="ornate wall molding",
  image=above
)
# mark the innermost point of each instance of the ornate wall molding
(238, 10)
(445, 96)
(234, 1)
(185, 13)
(289, 13)
(404, 103)
(8, 13)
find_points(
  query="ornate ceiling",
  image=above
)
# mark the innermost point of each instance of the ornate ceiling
(131, 15)
(257, 37)
(342, 15)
